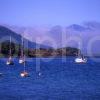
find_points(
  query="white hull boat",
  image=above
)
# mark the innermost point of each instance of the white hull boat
(80, 60)
(24, 74)
(9, 63)
(21, 61)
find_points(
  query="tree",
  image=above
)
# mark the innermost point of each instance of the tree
(5, 48)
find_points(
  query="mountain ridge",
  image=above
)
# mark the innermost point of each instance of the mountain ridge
(5, 34)
(86, 32)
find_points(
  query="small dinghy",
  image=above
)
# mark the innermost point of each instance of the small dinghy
(39, 74)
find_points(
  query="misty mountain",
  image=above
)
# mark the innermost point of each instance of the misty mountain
(92, 25)
(58, 36)
(76, 27)
(5, 34)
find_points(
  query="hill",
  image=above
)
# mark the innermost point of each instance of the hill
(5, 34)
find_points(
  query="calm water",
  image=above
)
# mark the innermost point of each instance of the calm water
(61, 79)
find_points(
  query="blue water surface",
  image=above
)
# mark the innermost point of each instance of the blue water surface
(61, 79)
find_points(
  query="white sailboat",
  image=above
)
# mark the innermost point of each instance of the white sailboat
(21, 59)
(24, 73)
(9, 61)
(80, 59)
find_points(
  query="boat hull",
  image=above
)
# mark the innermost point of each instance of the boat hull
(80, 60)
(9, 63)
(21, 61)
(24, 74)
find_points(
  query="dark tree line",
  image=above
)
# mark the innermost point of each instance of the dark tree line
(6, 46)
(16, 50)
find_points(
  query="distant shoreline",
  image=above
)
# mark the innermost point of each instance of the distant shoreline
(52, 57)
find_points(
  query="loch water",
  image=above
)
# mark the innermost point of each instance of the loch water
(60, 79)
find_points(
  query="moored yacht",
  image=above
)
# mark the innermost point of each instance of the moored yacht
(24, 73)
(21, 59)
(10, 61)
(80, 59)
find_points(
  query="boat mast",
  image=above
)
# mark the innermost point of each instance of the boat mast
(22, 48)
(23, 55)
(24, 64)
(10, 46)
(79, 51)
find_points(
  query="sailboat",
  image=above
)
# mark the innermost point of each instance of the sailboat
(9, 61)
(80, 58)
(22, 60)
(24, 73)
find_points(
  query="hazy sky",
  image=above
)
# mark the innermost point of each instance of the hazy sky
(48, 12)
